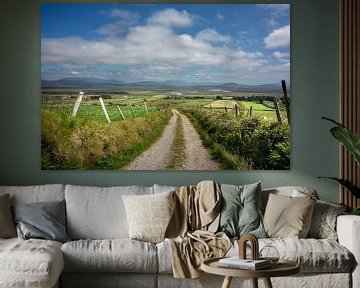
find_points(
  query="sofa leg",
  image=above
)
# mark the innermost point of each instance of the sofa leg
(254, 282)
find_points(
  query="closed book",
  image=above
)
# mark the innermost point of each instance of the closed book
(236, 262)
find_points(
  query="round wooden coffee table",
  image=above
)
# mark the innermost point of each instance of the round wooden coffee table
(281, 268)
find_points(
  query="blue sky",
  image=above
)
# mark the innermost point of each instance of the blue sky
(242, 43)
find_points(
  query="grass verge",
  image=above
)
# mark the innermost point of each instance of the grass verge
(76, 143)
(177, 154)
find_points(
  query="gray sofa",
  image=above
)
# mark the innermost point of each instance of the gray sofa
(101, 254)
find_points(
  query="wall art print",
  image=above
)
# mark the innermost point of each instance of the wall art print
(165, 87)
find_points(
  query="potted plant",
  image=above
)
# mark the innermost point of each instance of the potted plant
(351, 141)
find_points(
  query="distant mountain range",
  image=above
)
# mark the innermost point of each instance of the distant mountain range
(104, 84)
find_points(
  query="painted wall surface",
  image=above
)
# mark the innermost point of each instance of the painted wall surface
(315, 93)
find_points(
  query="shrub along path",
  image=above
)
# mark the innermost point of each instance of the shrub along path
(158, 156)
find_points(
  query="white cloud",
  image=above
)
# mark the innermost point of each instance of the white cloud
(154, 51)
(280, 55)
(124, 20)
(171, 18)
(120, 13)
(211, 35)
(149, 45)
(271, 22)
(219, 16)
(276, 9)
(278, 38)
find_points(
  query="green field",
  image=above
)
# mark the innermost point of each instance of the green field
(88, 141)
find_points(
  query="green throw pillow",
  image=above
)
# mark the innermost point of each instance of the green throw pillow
(240, 213)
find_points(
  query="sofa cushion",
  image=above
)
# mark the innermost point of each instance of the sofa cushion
(287, 216)
(109, 280)
(163, 188)
(7, 226)
(36, 193)
(43, 220)
(98, 213)
(291, 191)
(240, 210)
(323, 222)
(116, 255)
(30, 263)
(313, 255)
(149, 215)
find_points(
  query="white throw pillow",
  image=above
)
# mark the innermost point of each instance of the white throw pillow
(149, 215)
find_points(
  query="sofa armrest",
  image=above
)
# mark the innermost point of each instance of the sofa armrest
(348, 230)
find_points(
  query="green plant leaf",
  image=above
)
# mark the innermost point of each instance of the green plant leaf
(347, 184)
(348, 138)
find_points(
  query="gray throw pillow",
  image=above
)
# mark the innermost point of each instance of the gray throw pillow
(7, 227)
(240, 213)
(44, 220)
(323, 222)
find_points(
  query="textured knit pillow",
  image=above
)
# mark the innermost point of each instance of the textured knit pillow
(240, 213)
(7, 226)
(43, 220)
(288, 217)
(323, 222)
(149, 215)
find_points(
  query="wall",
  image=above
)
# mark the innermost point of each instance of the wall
(314, 25)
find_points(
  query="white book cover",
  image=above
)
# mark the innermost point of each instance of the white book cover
(244, 263)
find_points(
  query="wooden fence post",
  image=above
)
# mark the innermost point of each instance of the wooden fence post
(146, 108)
(104, 109)
(287, 103)
(121, 113)
(236, 110)
(77, 104)
(132, 110)
(278, 115)
(250, 111)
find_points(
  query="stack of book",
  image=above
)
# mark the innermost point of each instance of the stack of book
(248, 264)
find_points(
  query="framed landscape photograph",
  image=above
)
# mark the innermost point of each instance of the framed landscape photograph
(165, 87)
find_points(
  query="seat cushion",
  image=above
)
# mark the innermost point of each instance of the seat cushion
(98, 212)
(36, 193)
(117, 255)
(30, 263)
(313, 255)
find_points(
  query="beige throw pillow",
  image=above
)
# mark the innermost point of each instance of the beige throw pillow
(288, 217)
(149, 215)
(7, 226)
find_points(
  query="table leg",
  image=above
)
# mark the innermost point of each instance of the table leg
(227, 282)
(267, 283)
(254, 282)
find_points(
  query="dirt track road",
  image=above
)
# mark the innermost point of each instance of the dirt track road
(158, 155)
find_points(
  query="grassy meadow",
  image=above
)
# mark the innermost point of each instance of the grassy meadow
(236, 138)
